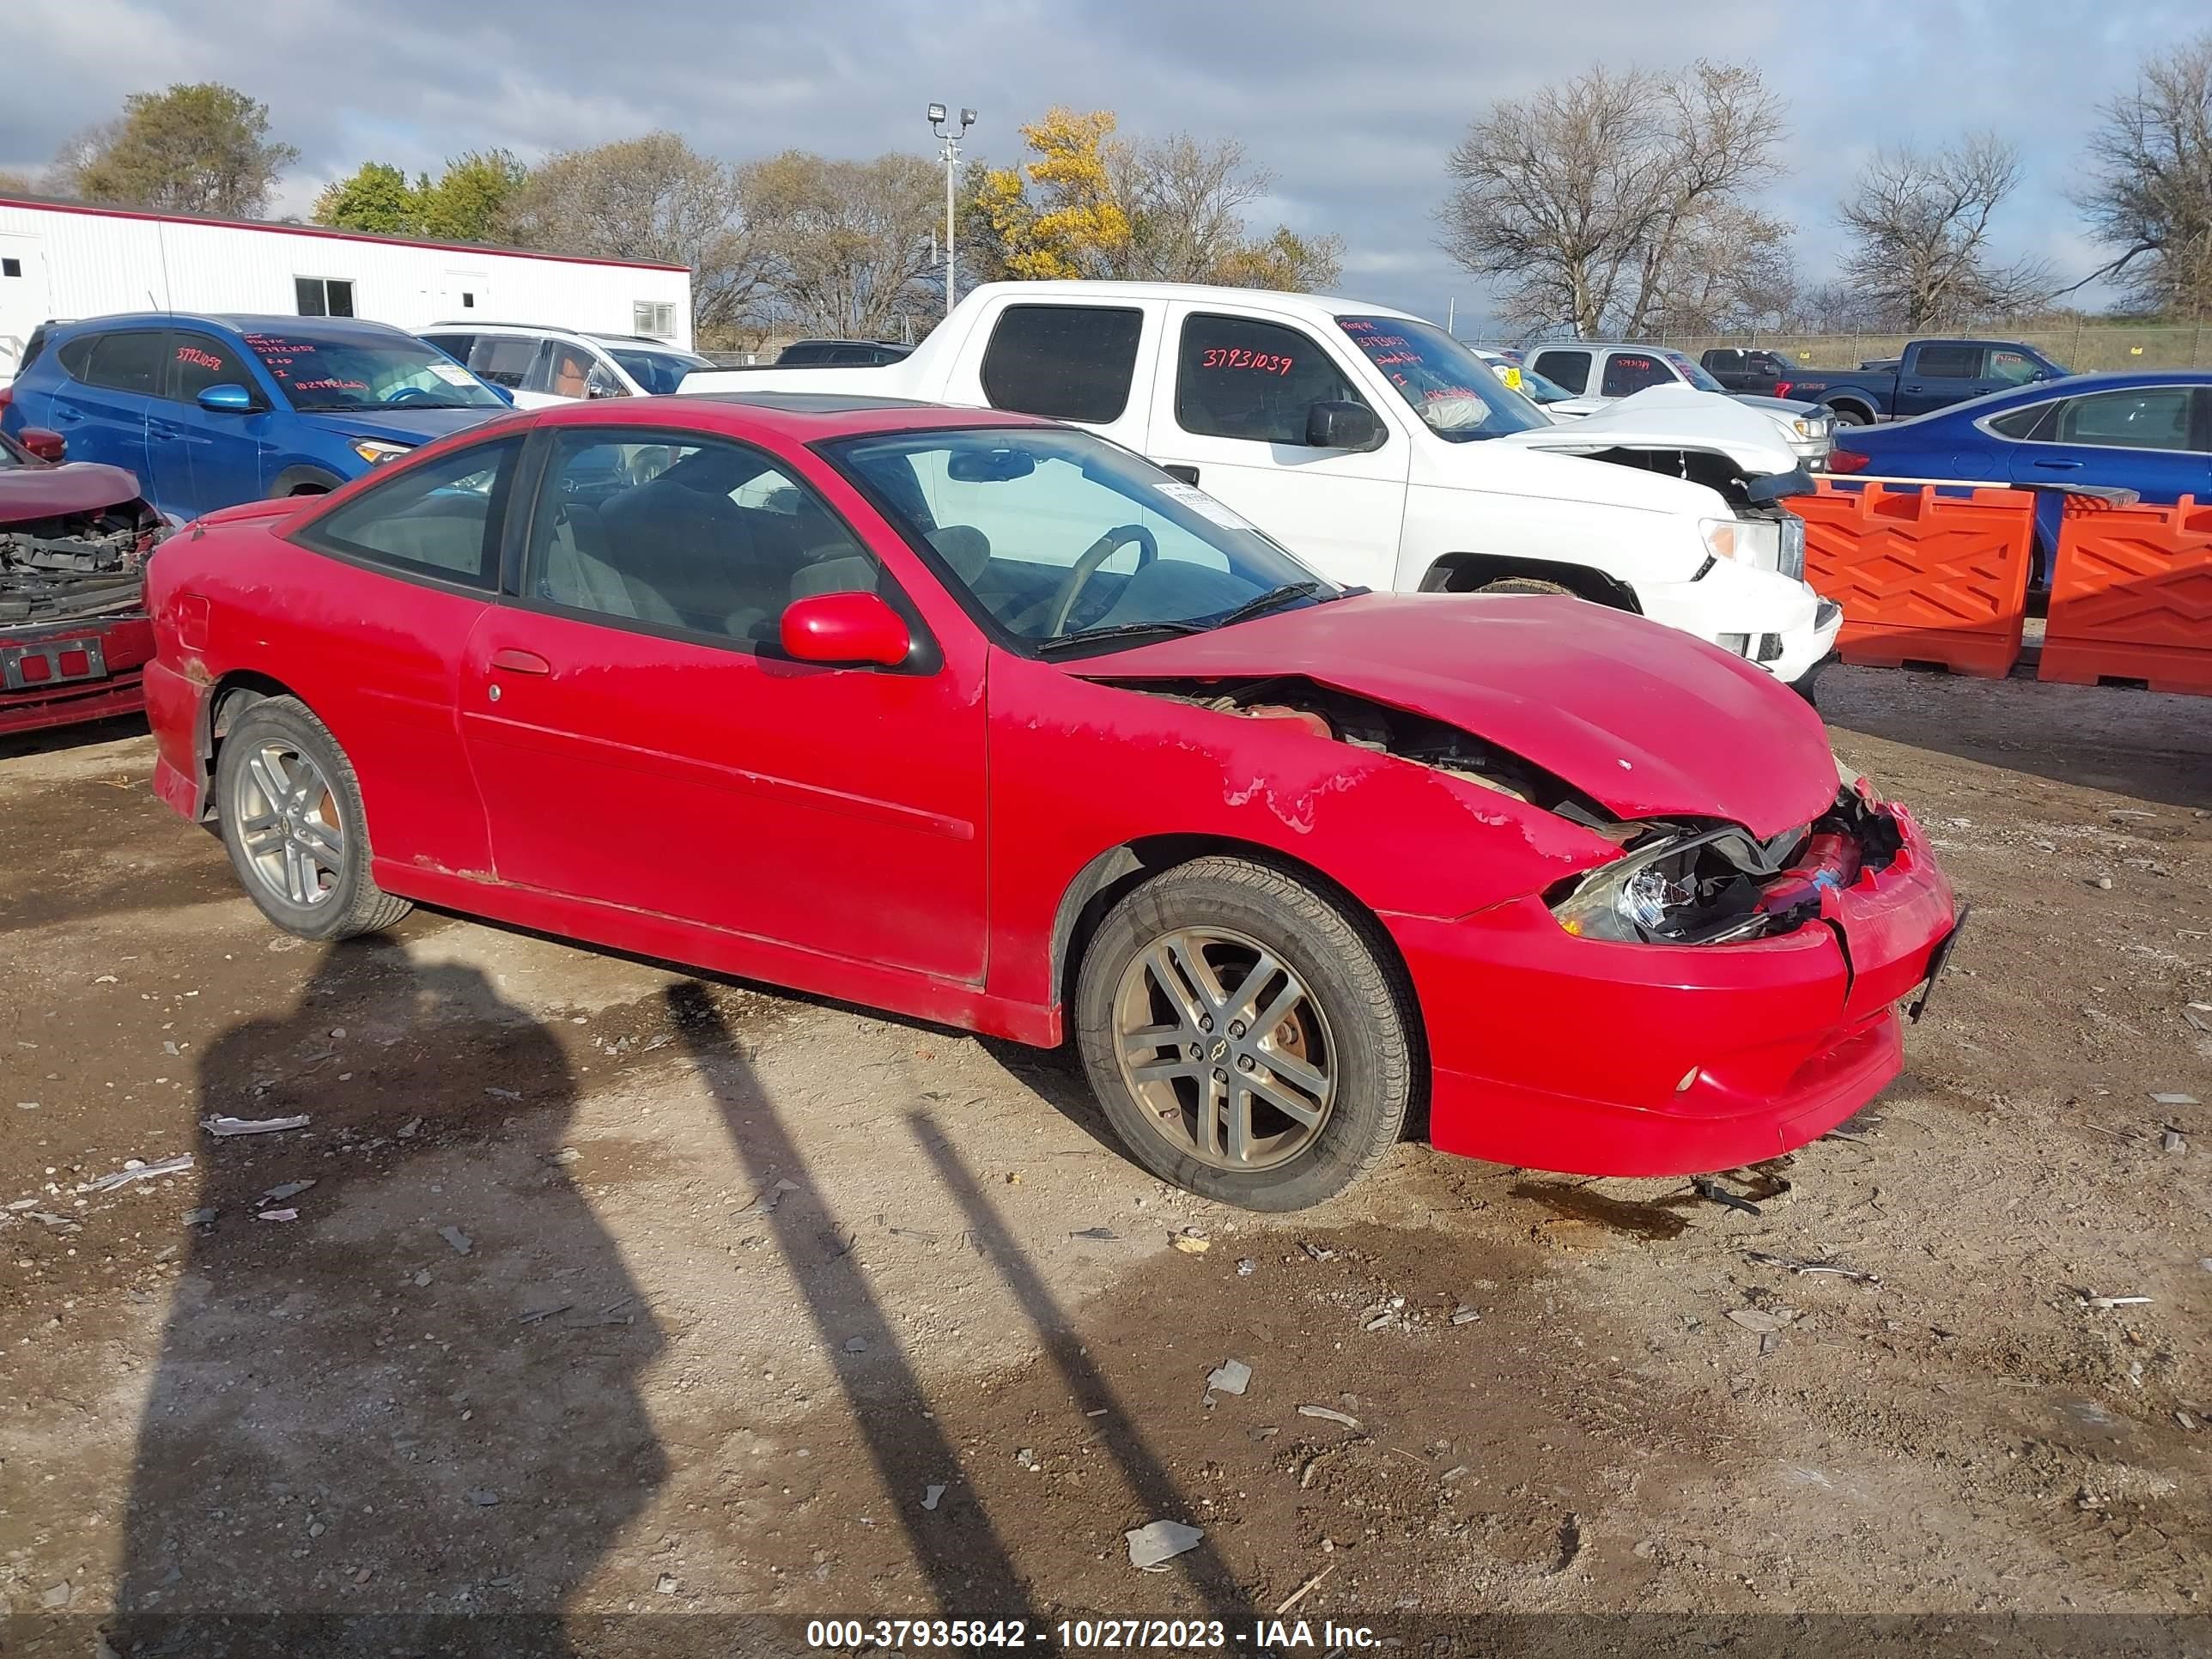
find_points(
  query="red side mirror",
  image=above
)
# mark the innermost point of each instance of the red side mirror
(846, 629)
(44, 442)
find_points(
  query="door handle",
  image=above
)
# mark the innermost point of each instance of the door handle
(68, 414)
(519, 662)
(1187, 474)
(1916, 388)
(2060, 466)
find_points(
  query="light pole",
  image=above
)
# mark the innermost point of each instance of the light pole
(951, 153)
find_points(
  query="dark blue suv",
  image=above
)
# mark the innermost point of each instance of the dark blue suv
(209, 411)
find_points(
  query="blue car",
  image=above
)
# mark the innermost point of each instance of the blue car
(209, 411)
(2148, 430)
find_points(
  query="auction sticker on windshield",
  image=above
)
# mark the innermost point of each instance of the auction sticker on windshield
(453, 374)
(1205, 506)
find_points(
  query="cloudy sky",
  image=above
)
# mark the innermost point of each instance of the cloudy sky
(1353, 106)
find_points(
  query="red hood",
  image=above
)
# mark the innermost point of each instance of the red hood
(47, 492)
(1644, 719)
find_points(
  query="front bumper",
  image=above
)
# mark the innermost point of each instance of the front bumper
(1587, 1057)
(1775, 621)
(59, 674)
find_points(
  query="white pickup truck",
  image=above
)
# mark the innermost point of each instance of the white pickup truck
(1384, 453)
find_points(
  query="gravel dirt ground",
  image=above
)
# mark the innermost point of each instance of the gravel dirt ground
(593, 1294)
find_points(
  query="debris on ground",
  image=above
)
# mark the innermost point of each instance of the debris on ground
(1329, 1415)
(289, 1189)
(536, 1314)
(930, 1493)
(1711, 1190)
(484, 1497)
(276, 1215)
(2102, 883)
(1155, 1544)
(219, 1125)
(1026, 1458)
(137, 1170)
(1317, 1253)
(1761, 1320)
(1230, 1376)
(1303, 1590)
(2175, 1100)
(1571, 1543)
(2172, 1140)
(856, 1344)
(1097, 1235)
(2199, 1014)
(1463, 1314)
(461, 1242)
(410, 1128)
(1790, 1264)
(2107, 1302)
(201, 1218)
(1192, 1243)
(665, 1585)
(1246, 1266)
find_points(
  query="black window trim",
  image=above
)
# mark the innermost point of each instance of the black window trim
(100, 337)
(925, 658)
(1351, 379)
(2200, 417)
(304, 536)
(1136, 355)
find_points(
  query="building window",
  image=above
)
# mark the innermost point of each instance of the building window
(323, 296)
(655, 318)
(468, 300)
(11, 267)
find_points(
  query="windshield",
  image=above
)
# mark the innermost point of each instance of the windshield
(1693, 371)
(368, 374)
(658, 372)
(1070, 543)
(1445, 384)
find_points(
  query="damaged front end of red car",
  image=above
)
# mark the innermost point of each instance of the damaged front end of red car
(75, 637)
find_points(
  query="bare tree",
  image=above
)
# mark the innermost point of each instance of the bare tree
(654, 198)
(14, 184)
(1185, 201)
(1730, 268)
(2151, 194)
(1920, 230)
(844, 246)
(1580, 199)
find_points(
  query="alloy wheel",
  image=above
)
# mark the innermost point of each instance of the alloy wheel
(1225, 1048)
(288, 825)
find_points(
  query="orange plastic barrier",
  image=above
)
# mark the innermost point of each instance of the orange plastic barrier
(2131, 597)
(1925, 573)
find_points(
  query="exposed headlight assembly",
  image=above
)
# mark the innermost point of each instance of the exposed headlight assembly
(376, 452)
(1679, 890)
(1754, 542)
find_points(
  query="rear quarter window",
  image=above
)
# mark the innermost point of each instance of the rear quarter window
(1065, 362)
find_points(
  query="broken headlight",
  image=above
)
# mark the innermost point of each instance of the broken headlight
(1678, 888)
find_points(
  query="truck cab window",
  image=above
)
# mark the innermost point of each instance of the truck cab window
(1568, 368)
(1627, 371)
(1948, 362)
(1065, 362)
(1236, 377)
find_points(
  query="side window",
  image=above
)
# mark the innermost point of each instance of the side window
(1633, 371)
(1568, 368)
(569, 371)
(2013, 368)
(197, 362)
(456, 346)
(678, 532)
(1948, 362)
(76, 357)
(1068, 362)
(501, 359)
(1235, 378)
(2151, 418)
(441, 520)
(128, 362)
(2024, 422)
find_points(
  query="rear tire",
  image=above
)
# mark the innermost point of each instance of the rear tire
(1525, 584)
(1274, 997)
(1846, 416)
(290, 812)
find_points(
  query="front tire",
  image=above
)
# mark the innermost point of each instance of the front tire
(290, 806)
(1248, 1039)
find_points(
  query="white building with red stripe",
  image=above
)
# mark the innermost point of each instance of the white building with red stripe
(69, 259)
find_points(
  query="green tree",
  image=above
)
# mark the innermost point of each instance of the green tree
(472, 199)
(201, 149)
(14, 184)
(375, 197)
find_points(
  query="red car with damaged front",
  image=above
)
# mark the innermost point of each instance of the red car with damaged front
(74, 633)
(990, 722)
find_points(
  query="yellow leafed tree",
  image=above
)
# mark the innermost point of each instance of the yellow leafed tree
(1057, 216)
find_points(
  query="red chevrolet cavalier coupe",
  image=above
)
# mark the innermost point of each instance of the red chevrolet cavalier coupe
(988, 722)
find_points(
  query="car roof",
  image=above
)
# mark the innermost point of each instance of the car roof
(797, 417)
(1318, 308)
(242, 323)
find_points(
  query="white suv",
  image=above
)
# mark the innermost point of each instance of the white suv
(541, 366)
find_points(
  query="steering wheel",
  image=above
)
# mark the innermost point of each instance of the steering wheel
(412, 394)
(1079, 574)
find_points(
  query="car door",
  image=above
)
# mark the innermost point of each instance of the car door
(1936, 377)
(1233, 421)
(102, 409)
(1566, 366)
(374, 641)
(639, 740)
(2150, 439)
(204, 458)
